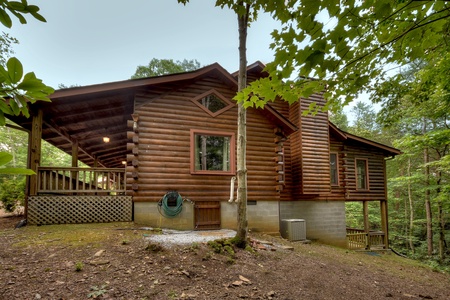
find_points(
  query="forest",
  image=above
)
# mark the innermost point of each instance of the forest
(413, 116)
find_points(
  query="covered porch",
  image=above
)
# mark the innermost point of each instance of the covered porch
(92, 125)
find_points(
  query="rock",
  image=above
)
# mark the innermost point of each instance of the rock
(188, 296)
(287, 248)
(99, 262)
(237, 283)
(37, 296)
(186, 273)
(246, 280)
(99, 253)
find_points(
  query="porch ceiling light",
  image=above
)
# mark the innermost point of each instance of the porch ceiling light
(106, 139)
(124, 162)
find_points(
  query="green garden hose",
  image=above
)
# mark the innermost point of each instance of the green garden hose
(171, 204)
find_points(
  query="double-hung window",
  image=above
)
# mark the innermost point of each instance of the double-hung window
(362, 174)
(212, 152)
(334, 167)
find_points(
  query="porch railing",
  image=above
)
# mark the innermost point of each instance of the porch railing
(81, 181)
(360, 239)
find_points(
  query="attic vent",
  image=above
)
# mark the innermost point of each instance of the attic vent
(213, 102)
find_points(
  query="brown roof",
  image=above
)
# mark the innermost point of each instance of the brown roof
(342, 135)
(87, 114)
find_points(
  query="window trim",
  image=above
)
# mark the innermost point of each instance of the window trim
(337, 183)
(366, 162)
(232, 170)
(218, 95)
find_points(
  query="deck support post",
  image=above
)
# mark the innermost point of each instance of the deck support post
(366, 222)
(366, 216)
(384, 222)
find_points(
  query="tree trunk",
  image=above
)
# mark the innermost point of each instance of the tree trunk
(441, 224)
(427, 196)
(411, 209)
(242, 228)
(441, 219)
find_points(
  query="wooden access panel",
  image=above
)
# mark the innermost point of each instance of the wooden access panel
(207, 215)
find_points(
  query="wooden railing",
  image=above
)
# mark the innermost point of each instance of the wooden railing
(81, 181)
(360, 239)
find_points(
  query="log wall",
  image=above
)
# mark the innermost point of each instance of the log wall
(162, 160)
(310, 149)
(348, 152)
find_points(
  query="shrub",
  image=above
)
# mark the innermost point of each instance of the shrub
(12, 193)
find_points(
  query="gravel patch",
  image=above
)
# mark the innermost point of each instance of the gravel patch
(174, 237)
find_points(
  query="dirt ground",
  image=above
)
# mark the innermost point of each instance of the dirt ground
(115, 261)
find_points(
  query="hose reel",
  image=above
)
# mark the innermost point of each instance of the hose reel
(171, 204)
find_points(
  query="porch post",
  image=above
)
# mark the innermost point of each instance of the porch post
(35, 151)
(75, 154)
(384, 223)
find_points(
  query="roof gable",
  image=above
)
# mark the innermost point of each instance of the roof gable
(343, 136)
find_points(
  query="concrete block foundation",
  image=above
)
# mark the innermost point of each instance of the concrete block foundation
(325, 220)
(146, 213)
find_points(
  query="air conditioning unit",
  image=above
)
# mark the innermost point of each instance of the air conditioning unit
(293, 229)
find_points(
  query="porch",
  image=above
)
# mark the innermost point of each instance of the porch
(79, 195)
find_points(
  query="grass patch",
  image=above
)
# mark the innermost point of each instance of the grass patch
(75, 235)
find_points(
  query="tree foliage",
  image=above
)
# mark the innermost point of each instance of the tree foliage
(416, 108)
(346, 45)
(158, 67)
(17, 88)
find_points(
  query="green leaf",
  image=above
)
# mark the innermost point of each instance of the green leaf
(15, 70)
(38, 17)
(5, 158)
(2, 118)
(32, 8)
(5, 19)
(14, 107)
(20, 17)
(15, 5)
(5, 108)
(18, 171)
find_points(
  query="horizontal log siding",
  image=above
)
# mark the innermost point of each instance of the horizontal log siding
(348, 152)
(296, 150)
(315, 149)
(338, 192)
(376, 172)
(164, 147)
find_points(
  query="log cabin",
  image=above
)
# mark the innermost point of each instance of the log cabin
(161, 151)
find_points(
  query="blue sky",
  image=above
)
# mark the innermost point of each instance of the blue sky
(95, 41)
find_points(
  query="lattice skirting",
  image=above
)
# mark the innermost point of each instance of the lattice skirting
(79, 209)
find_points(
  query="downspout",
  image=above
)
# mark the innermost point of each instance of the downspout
(233, 179)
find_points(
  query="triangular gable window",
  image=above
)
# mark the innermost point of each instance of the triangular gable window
(213, 103)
